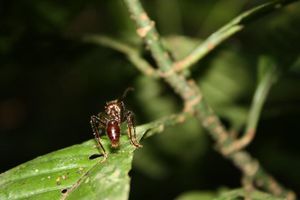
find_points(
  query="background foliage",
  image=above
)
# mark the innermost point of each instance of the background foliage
(52, 81)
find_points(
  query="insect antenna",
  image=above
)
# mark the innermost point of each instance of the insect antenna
(125, 93)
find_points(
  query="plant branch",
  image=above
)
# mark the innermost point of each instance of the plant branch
(234, 26)
(194, 101)
(259, 98)
(132, 53)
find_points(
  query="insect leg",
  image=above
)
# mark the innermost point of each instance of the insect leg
(131, 126)
(95, 121)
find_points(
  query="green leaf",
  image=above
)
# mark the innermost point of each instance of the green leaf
(240, 194)
(72, 173)
(227, 79)
(266, 65)
(156, 102)
(196, 195)
(180, 46)
(268, 75)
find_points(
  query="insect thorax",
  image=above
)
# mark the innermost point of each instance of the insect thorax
(114, 109)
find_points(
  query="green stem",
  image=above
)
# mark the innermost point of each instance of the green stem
(234, 26)
(259, 98)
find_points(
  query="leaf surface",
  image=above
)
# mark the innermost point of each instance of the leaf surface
(75, 172)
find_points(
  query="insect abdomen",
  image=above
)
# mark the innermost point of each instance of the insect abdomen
(113, 132)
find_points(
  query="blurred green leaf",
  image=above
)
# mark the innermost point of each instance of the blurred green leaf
(240, 194)
(180, 46)
(196, 195)
(235, 194)
(217, 18)
(185, 142)
(226, 80)
(266, 65)
(166, 10)
(296, 66)
(149, 163)
(156, 102)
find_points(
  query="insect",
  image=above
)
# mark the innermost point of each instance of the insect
(115, 113)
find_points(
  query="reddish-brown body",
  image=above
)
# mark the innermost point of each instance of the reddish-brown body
(110, 120)
(113, 132)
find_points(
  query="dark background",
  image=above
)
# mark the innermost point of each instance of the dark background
(52, 82)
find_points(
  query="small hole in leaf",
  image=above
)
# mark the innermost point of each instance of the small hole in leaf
(64, 191)
(94, 156)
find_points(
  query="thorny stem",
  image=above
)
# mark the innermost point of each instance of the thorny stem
(194, 102)
(234, 26)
